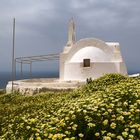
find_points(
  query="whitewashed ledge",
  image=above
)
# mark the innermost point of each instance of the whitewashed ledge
(135, 75)
(33, 86)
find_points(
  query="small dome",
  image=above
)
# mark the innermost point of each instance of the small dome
(90, 52)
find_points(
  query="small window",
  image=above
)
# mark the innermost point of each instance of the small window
(86, 62)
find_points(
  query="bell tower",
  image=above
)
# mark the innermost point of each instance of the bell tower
(71, 33)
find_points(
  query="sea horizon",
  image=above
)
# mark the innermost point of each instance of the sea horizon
(6, 76)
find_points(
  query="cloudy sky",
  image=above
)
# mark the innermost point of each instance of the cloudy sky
(41, 26)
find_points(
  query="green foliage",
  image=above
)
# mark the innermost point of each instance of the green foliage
(2, 91)
(104, 109)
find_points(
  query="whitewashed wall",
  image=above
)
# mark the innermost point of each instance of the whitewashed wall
(76, 71)
(105, 57)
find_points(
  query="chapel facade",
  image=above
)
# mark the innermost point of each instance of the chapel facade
(89, 58)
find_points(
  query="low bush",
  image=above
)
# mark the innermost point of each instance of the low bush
(105, 109)
(2, 91)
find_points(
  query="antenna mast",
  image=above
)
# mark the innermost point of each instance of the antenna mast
(13, 57)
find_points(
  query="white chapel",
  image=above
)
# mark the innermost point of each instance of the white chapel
(89, 58)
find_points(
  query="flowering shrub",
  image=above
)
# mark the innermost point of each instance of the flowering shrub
(105, 109)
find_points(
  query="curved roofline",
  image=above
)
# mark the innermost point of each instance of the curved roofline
(89, 42)
(89, 38)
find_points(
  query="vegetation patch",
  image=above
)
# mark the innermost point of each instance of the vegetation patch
(2, 91)
(104, 109)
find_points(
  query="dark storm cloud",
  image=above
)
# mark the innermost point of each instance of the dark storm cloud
(41, 26)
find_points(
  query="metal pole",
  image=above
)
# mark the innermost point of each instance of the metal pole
(15, 70)
(13, 56)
